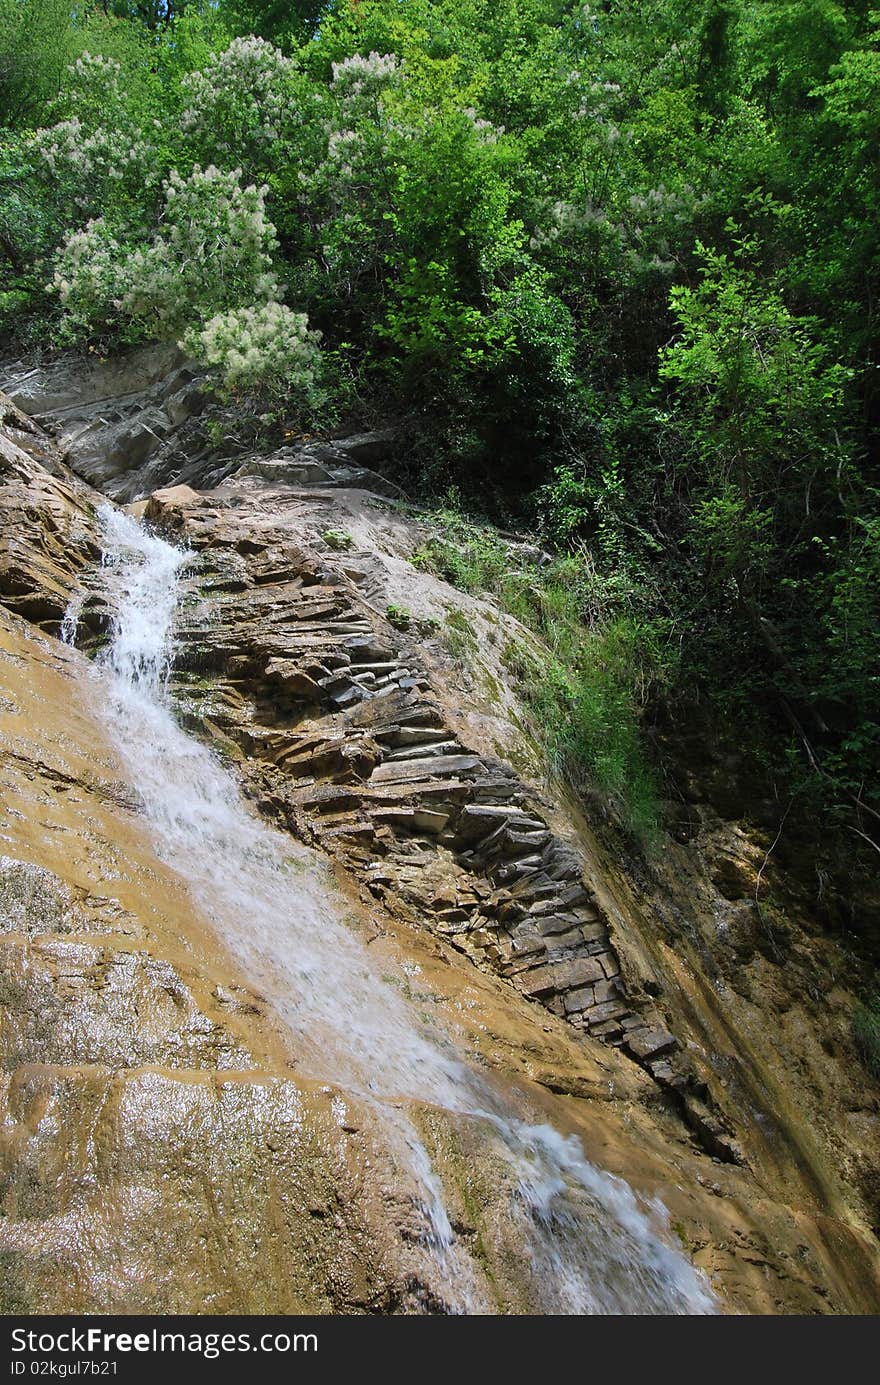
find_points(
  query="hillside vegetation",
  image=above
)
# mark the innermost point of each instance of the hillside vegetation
(611, 271)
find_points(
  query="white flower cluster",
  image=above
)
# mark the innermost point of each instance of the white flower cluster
(213, 248)
(667, 207)
(100, 144)
(95, 82)
(210, 214)
(484, 129)
(95, 160)
(358, 76)
(640, 241)
(357, 129)
(681, 56)
(268, 347)
(569, 223)
(658, 216)
(240, 100)
(593, 103)
(346, 154)
(88, 277)
(341, 142)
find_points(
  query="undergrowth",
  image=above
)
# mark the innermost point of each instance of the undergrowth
(588, 692)
(866, 1033)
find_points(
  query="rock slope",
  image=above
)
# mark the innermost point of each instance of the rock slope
(413, 773)
(357, 748)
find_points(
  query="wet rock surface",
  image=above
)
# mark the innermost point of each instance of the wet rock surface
(350, 743)
(114, 418)
(156, 1152)
(414, 776)
(46, 522)
(132, 423)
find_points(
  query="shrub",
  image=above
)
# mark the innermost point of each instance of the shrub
(338, 539)
(211, 251)
(587, 696)
(102, 155)
(399, 616)
(266, 349)
(237, 106)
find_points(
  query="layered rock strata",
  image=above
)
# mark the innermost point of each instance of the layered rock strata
(321, 691)
(369, 742)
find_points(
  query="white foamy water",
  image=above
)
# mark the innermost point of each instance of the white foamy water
(594, 1248)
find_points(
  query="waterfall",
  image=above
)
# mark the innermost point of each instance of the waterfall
(594, 1247)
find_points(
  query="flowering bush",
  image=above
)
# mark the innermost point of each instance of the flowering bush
(95, 86)
(363, 77)
(100, 151)
(212, 250)
(483, 129)
(241, 102)
(93, 157)
(268, 349)
(356, 128)
(89, 279)
(220, 238)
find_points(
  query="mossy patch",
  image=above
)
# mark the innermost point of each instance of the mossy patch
(459, 638)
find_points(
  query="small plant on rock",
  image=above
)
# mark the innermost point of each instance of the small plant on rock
(399, 616)
(339, 539)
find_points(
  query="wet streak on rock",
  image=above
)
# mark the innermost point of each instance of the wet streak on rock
(352, 748)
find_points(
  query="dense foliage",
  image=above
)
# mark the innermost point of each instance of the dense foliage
(613, 266)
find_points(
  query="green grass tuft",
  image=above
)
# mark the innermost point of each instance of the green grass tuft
(398, 616)
(866, 1033)
(339, 539)
(588, 696)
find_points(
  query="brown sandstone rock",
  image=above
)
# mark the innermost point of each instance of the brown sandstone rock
(474, 855)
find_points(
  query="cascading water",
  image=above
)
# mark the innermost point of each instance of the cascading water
(594, 1248)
